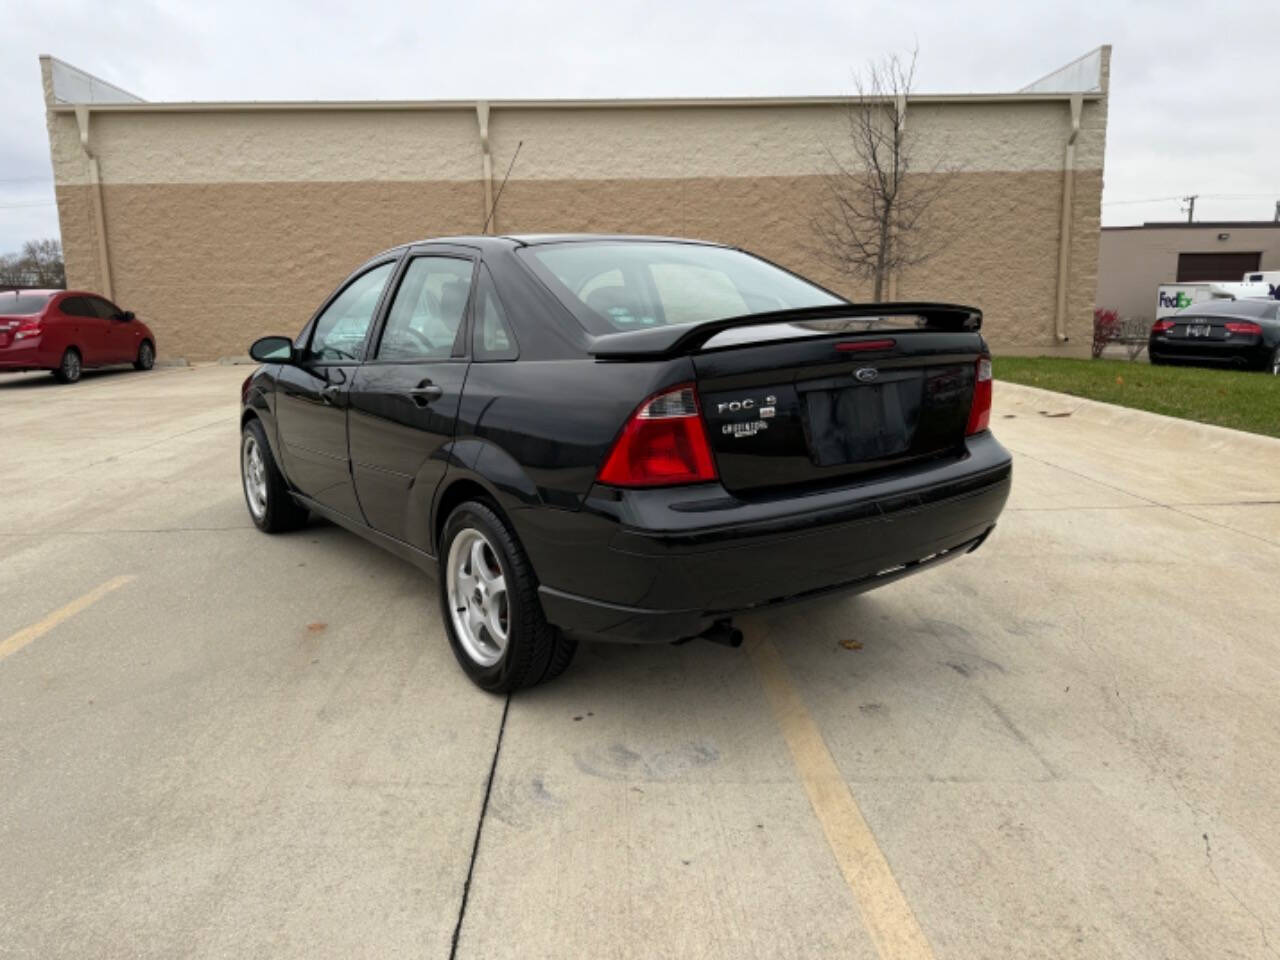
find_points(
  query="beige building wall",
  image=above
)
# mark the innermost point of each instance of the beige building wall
(226, 222)
(1136, 260)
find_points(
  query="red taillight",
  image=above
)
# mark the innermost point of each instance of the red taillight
(1160, 326)
(980, 409)
(29, 327)
(1244, 326)
(663, 444)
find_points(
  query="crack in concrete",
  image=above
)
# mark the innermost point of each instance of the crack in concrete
(475, 845)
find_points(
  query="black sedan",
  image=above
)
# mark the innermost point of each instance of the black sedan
(622, 438)
(1237, 333)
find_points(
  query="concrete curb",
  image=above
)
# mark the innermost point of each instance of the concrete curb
(1028, 401)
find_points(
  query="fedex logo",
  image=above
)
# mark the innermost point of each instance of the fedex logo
(1175, 300)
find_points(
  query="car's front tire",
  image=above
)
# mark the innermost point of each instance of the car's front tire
(266, 494)
(489, 603)
(146, 356)
(69, 367)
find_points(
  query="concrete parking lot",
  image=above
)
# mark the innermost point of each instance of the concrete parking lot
(218, 743)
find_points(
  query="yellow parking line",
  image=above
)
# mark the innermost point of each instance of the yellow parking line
(885, 911)
(24, 636)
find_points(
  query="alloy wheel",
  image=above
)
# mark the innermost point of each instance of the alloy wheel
(478, 602)
(254, 471)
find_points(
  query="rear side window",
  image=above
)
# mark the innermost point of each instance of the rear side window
(23, 303)
(427, 312)
(492, 339)
(77, 307)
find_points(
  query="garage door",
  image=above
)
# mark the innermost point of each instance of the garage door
(1197, 267)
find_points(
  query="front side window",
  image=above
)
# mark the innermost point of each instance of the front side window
(102, 308)
(341, 329)
(427, 311)
(630, 285)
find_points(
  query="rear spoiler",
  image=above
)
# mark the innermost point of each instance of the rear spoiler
(670, 341)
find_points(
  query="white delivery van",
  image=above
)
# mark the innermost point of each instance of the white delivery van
(1172, 297)
(1270, 277)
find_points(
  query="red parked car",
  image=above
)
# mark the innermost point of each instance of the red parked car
(68, 330)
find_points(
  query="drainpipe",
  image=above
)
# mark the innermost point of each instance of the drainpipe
(486, 160)
(1064, 234)
(99, 218)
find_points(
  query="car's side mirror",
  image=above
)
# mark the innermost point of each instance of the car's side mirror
(272, 350)
(127, 316)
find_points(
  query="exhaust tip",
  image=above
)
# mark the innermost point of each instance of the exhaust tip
(724, 633)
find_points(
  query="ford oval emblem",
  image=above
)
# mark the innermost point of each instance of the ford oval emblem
(866, 374)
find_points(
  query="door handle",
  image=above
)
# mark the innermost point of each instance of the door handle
(424, 393)
(330, 393)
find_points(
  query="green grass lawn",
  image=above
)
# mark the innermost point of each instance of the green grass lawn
(1229, 398)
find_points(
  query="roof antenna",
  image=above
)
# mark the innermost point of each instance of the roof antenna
(500, 188)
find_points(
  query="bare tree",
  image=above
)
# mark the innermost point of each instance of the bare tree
(45, 260)
(871, 223)
(38, 265)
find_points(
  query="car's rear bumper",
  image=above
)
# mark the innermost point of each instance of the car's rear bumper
(25, 355)
(663, 565)
(1252, 352)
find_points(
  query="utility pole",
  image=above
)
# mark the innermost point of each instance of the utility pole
(1278, 211)
(1190, 208)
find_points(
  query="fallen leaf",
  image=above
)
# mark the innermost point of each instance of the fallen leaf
(316, 627)
(851, 644)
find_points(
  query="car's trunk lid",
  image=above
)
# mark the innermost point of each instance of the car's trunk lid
(825, 409)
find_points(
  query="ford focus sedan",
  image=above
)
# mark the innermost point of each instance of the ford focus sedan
(67, 331)
(622, 438)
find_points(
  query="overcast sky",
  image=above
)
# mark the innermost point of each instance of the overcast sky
(1192, 108)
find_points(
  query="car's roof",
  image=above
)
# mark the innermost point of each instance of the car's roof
(536, 239)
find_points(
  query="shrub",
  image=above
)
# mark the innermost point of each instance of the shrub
(1106, 327)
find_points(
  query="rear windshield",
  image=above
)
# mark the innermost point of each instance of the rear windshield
(1233, 308)
(23, 302)
(627, 285)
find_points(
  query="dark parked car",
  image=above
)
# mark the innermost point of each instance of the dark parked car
(1238, 333)
(618, 438)
(65, 331)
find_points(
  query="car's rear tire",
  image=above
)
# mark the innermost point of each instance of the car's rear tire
(489, 604)
(266, 494)
(1275, 363)
(146, 356)
(69, 367)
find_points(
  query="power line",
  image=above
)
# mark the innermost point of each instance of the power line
(1202, 196)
